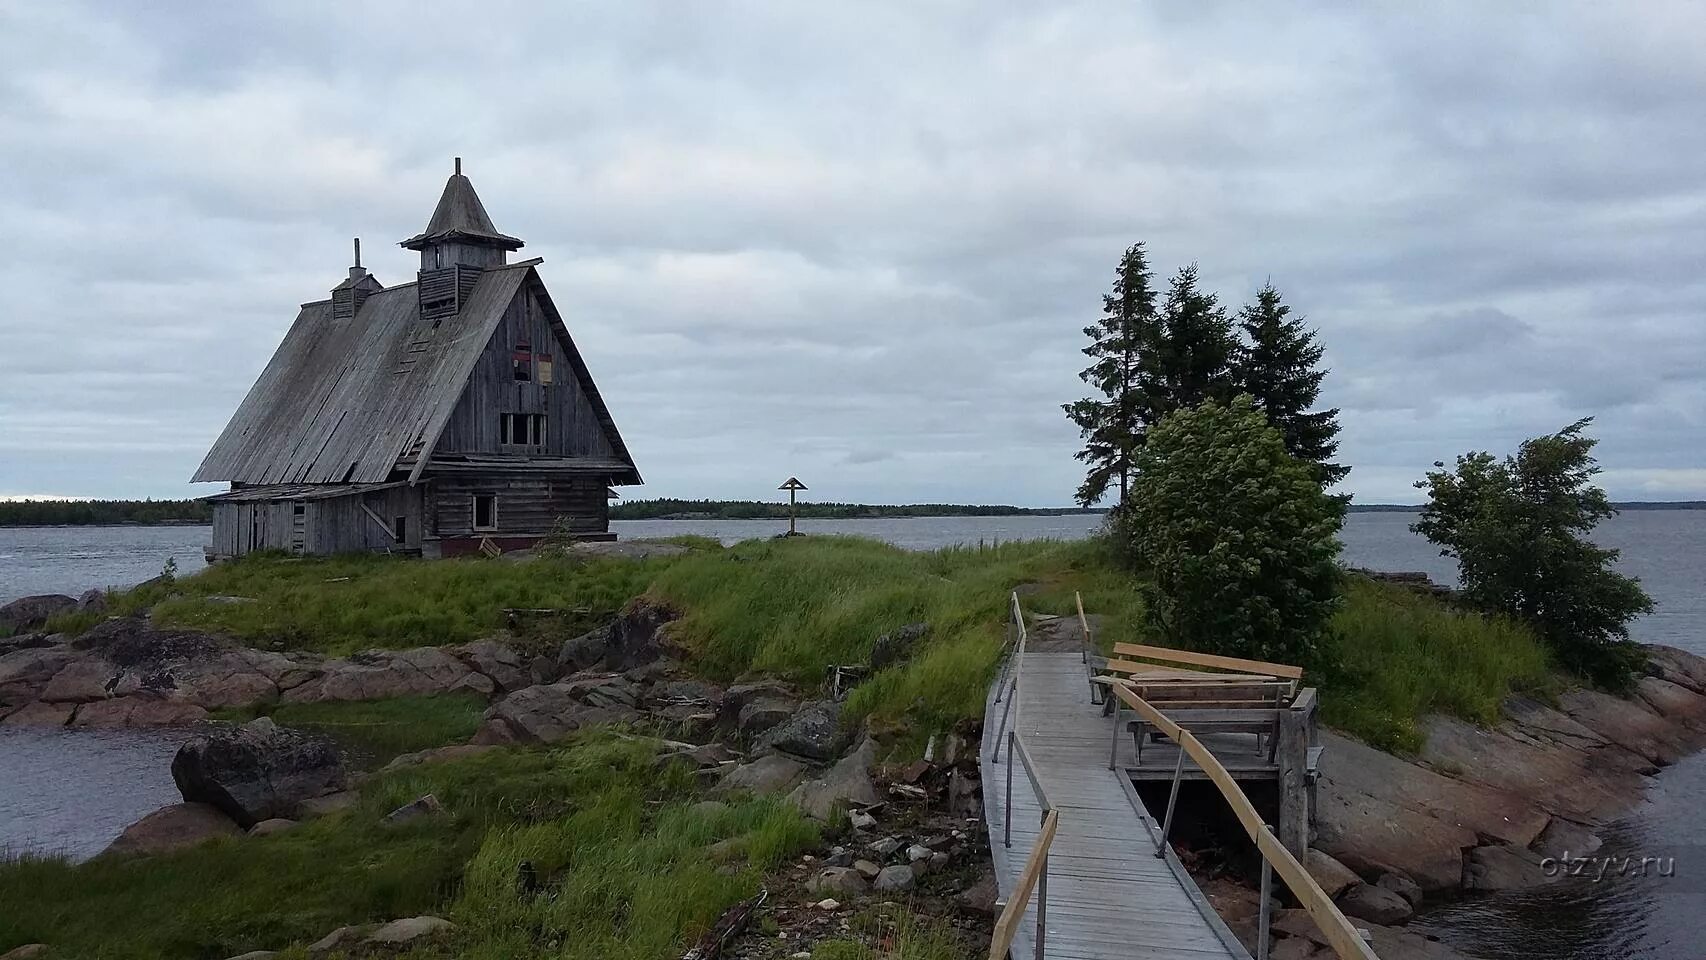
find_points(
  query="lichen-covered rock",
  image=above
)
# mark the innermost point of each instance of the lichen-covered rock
(257, 771)
(28, 613)
(549, 712)
(173, 828)
(759, 715)
(381, 674)
(813, 731)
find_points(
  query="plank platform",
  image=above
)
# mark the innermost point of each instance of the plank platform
(1109, 896)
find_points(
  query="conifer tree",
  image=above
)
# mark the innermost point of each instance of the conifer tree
(1112, 423)
(1280, 368)
(1189, 360)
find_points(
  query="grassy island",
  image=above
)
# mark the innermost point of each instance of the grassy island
(629, 842)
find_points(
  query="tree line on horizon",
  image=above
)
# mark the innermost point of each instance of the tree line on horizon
(672, 508)
(52, 513)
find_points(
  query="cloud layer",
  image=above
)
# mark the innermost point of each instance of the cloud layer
(857, 244)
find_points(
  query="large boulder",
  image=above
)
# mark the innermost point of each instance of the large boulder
(41, 714)
(1631, 725)
(1673, 701)
(1677, 666)
(136, 642)
(382, 674)
(173, 828)
(25, 673)
(766, 775)
(507, 669)
(549, 712)
(813, 731)
(1375, 904)
(1504, 867)
(1541, 756)
(28, 613)
(848, 782)
(1330, 874)
(257, 771)
(634, 638)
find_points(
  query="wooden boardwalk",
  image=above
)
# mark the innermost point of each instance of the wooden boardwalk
(1109, 896)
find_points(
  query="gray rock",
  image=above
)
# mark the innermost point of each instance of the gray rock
(256, 955)
(549, 712)
(868, 868)
(607, 691)
(1375, 904)
(860, 820)
(41, 714)
(455, 751)
(637, 635)
(506, 669)
(326, 805)
(896, 877)
(174, 828)
(413, 810)
(1296, 948)
(887, 846)
(1563, 838)
(812, 731)
(1403, 886)
(383, 674)
(92, 601)
(28, 613)
(917, 852)
(1332, 875)
(90, 678)
(140, 710)
(257, 771)
(709, 808)
(1391, 944)
(341, 937)
(29, 951)
(585, 651)
(763, 713)
(269, 827)
(228, 601)
(1502, 867)
(897, 645)
(411, 930)
(686, 691)
(848, 782)
(980, 897)
(844, 881)
(766, 775)
(24, 674)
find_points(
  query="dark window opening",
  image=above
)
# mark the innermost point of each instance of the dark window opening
(485, 511)
(298, 509)
(400, 529)
(521, 429)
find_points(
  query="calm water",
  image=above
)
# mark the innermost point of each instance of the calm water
(74, 791)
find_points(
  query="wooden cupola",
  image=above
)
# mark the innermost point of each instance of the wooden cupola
(459, 243)
(347, 297)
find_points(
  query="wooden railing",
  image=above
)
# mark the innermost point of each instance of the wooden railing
(1344, 939)
(1035, 874)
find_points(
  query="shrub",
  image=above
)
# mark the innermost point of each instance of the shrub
(1518, 528)
(1238, 534)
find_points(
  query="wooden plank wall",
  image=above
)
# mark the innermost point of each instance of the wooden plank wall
(573, 427)
(240, 528)
(339, 525)
(526, 504)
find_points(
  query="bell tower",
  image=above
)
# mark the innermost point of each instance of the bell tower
(459, 242)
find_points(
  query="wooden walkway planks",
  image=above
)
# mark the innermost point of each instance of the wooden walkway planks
(1109, 896)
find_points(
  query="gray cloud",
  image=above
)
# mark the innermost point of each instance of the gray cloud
(857, 244)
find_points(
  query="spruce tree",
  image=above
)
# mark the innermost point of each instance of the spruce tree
(1112, 423)
(1189, 360)
(1280, 368)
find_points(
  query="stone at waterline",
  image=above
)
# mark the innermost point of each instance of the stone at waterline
(1504, 867)
(92, 601)
(1330, 874)
(28, 613)
(1403, 886)
(139, 710)
(174, 827)
(1375, 904)
(40, 714)
(257, 771)
(24, 673)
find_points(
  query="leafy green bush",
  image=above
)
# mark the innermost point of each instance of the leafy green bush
(1238, 535)
(1518, 528)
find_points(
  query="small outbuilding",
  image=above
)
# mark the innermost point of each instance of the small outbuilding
(426, 417)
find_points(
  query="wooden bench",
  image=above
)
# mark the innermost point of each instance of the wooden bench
(1203, 692)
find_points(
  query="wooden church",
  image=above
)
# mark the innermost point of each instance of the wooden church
(424, 418)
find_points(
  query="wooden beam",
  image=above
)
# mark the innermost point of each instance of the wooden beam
(1007, 926)
(1083, 621)
(1341, 936)
(1208, 660)
(1168, 673)
(382, 524)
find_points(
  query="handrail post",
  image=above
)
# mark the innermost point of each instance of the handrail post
(1267, 893)
(1172, 801)
(1114, 746)
(1007, 811)
(1042, 903)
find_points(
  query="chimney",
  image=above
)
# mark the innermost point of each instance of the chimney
(347, 297)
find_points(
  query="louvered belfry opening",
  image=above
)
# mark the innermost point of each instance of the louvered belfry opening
(347, 297)
(458, 244)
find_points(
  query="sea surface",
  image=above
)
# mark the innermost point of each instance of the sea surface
(72, 791)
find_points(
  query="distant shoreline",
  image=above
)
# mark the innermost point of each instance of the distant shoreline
(712, 510)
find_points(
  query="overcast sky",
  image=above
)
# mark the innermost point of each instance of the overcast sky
(857, 243)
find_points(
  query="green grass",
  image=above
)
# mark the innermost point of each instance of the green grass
(1397, 656)
(337, 605)
(374, 731)
(616, 843)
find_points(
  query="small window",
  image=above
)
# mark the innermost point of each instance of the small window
(538, 425)
(400, 529)
(523, 362)
(547, 375)
(521, 429)
(485, 511)
(298, 509)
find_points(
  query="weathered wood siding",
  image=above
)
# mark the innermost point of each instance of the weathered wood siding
(333, 525)
(573, 426)
(526, 504)
(240, 528)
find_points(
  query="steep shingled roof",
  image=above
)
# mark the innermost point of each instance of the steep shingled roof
(350, 401)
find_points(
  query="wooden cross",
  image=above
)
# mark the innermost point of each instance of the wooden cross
(793, 486)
